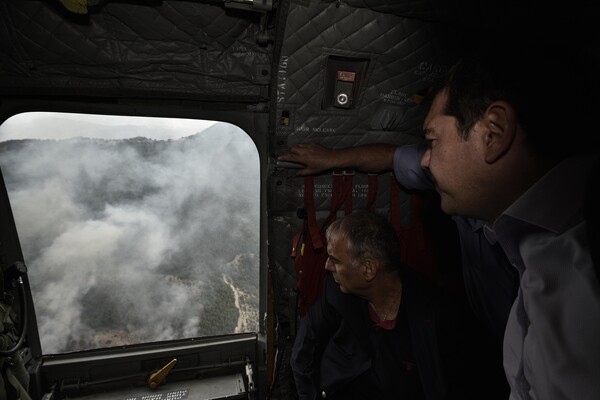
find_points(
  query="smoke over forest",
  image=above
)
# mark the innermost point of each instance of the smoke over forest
(137, 240)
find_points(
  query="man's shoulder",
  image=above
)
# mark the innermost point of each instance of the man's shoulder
(407, 168)
(556, 201)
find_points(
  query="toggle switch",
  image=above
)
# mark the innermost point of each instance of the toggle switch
(344, 82)
(344, 89)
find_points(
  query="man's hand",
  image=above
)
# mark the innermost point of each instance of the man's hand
(314, 157)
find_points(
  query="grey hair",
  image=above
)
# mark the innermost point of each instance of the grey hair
(369, 236)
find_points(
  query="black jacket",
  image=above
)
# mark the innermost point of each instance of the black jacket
(336, 345)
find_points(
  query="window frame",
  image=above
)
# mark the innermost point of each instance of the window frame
(45, 369)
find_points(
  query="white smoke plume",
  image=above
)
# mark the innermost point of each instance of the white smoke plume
(125, 239)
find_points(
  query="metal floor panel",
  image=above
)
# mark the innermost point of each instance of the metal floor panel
(211, 388)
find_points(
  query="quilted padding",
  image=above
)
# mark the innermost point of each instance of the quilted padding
(405, 56)
(178, 49)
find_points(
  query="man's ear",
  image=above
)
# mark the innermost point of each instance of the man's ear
(369, 269)
(500, 124)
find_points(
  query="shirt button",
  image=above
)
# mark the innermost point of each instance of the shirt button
(323, 395)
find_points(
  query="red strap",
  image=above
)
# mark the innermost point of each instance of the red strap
(296, 240)
(372, 191)
(394, 205)
(311, 214)
(347, 197)
(341, 193)
(337, 193)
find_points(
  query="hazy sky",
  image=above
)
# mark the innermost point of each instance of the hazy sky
(64, 126)
(128, 231)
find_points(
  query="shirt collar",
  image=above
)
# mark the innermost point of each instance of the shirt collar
(555, 201)
(490, 234)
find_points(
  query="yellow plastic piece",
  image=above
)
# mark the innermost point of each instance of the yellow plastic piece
(159, 376)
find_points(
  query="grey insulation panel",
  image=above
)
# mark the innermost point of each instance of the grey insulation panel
(176, 49)
(405, 56)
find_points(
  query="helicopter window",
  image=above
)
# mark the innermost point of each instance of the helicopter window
(133, 229)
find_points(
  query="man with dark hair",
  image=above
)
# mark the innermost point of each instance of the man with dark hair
(510, 150)
(377, 331)
(498, 153)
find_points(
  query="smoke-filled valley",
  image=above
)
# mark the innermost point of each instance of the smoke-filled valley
(137, 240)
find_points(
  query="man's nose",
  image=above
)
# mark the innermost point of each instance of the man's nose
(328, 265)
(425, 159)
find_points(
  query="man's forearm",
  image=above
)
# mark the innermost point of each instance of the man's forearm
(373, 158)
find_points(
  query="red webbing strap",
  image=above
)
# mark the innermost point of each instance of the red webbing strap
(373, 182)
(309, 253)
(337, 193)
(341, 193)
(311, 213)
(310, 218)
(296, 241)
(395, 206)
(347, 196)
(403, 232)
